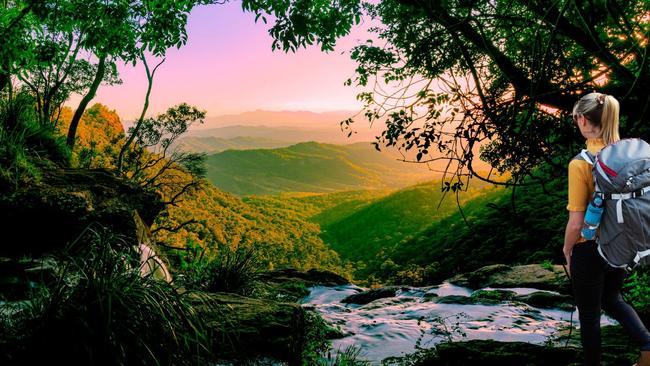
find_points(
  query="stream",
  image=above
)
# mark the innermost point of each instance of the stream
(391, 326)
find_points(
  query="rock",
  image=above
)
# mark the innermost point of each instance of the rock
(47, 215)
(20, 277)
(530, 275)
(313, 277)
(488, 352)
(494, 295)
(291, 285)
(251, 327)
(455, 299)
(367, 296)
(538, 299)
(547, 300)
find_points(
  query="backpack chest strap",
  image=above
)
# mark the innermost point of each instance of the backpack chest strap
(623, 196)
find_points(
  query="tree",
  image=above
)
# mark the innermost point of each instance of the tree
(55, 32)
(152, 161)
(495, 79)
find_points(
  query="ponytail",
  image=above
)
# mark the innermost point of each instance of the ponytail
(602, 111)
(609, 120)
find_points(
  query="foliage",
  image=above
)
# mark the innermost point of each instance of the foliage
(228, 270)
(302, 22)
(636, 290)
(318, 349)
(520, 227)
(99, 133)
(153, 164)
(310, 167)
(224, 222)
(56, 34)
(495, 80)
(24, 143)
(364, 226)
(101, 311)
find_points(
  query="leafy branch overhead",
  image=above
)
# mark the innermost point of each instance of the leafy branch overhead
(463, 79)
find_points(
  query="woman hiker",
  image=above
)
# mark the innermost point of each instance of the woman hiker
(596, 284)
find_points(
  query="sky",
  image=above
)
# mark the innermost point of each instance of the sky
(227, 67)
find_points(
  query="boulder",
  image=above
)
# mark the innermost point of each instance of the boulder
(367, 296)
(46, 216)
(240, 325)
(312, 277)
(530, 275)
(547, 300)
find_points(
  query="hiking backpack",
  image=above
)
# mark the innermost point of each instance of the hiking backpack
(621, 174)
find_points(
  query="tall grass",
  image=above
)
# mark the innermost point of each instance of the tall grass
(230, 270)
(100, 311)
(24, 143)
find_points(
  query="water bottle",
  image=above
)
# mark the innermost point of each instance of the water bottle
(592, 218)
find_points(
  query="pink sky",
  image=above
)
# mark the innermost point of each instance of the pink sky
(227, 66)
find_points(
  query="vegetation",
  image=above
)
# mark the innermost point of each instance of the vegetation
(100, 310)
(528, 229)
(310, 167)
(25, 144)
(637, 293)
(474, 79)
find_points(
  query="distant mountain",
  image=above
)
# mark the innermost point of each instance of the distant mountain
(213, 144)
(304, 119)
(294, 134)
(292, 126)
(311, 167)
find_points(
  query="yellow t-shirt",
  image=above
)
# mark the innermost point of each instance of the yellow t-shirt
(581, 182)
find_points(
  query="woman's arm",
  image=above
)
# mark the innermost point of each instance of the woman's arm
(571, 234)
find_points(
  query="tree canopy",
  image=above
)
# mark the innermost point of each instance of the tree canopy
(455, 79)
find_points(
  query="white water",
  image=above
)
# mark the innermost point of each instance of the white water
(391, 326)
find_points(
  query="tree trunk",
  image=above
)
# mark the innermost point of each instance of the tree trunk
(99, 76)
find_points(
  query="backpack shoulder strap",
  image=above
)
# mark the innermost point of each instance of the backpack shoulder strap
(587, 156)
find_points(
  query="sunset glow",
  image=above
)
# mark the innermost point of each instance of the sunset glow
(227, 67)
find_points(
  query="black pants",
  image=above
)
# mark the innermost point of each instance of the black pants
(598, 285)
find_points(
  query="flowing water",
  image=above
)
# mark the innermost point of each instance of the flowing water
(392, 326)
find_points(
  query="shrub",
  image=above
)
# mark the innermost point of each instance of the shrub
(100, 311)
(230, 270)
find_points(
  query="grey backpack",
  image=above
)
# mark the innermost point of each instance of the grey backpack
(622, 179)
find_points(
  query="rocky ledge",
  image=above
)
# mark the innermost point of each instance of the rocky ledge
(53, 212)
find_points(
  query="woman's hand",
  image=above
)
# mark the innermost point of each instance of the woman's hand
(571, 235)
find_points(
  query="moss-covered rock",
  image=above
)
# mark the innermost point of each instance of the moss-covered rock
(46, 216)
(246, 327)
(547, 300)
(530, 275)
(291, 285)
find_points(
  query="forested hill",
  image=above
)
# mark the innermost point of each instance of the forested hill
(311, 167)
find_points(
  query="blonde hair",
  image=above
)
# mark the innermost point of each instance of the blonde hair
(602, 111)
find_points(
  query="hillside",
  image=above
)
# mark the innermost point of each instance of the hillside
(311, 167)
(498, 230)
(211, 144)
(364, 226)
